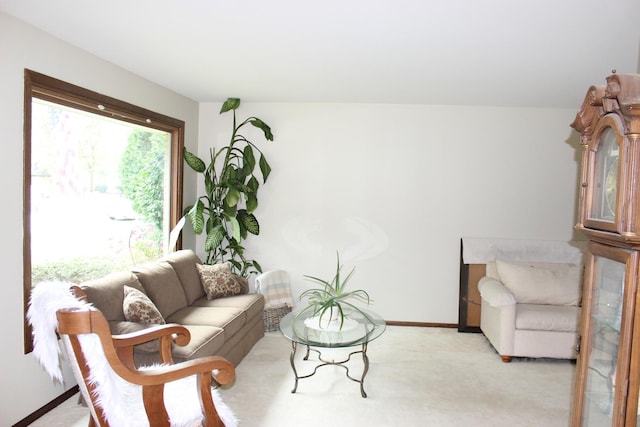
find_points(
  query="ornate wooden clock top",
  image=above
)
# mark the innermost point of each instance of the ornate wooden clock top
(609, 125)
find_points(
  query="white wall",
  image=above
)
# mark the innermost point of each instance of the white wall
(395, 187)
(25, 385)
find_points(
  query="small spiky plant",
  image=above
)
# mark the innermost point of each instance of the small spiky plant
(332, 297)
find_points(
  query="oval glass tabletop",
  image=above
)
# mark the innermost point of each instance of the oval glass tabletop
(358, 328)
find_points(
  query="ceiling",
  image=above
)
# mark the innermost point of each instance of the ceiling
(542, 53)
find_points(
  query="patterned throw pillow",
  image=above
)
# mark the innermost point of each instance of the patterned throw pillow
(138, 307)
(218, 280)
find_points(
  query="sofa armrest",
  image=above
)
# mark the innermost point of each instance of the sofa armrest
(495, 293)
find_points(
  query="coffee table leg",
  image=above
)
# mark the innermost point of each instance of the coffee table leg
(365, 360)
(294, 347)
(306, 356)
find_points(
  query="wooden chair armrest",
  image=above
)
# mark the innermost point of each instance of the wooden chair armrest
(218, 367)
(167, 334)
(178, 333)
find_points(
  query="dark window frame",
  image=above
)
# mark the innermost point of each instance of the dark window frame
(37, 85)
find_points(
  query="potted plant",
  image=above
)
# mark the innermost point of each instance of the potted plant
(226, 211)
(329, 305)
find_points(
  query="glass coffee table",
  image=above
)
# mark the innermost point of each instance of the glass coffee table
(358, 331)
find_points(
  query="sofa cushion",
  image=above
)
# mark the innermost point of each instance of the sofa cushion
(184, 263)
(539, 317)
(162, 285)
(252, 304)
(542, 283)
(218, 280)
(107, 293)
(138, 307)
(229, 318)
(205, 341)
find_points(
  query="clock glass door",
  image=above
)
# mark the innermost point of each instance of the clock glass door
(604, 341)
(605, 179)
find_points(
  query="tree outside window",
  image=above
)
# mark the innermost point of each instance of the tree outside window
(97, 194)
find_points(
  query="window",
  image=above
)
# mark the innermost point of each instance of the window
(102, 183)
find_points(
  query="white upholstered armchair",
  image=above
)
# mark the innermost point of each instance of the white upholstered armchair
(530, 294)
(531, 309)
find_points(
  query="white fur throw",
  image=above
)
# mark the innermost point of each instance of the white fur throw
(120, 400)
(46, 299)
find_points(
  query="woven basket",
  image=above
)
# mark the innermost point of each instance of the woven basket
(272, 317)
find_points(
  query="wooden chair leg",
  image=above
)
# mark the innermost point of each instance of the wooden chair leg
(505, 359)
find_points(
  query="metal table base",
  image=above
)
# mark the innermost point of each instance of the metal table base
(323, 362)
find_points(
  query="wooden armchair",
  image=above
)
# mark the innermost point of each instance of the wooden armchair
(104, 368)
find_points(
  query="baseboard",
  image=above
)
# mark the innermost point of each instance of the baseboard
(46, 408)
(421, 324)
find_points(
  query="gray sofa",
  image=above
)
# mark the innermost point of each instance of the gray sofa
(227, 326)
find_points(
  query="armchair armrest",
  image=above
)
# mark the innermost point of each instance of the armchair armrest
(215, 366)
(167, 334)
(177, 332)
(495, 293)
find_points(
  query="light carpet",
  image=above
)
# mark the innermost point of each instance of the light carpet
(417, 377)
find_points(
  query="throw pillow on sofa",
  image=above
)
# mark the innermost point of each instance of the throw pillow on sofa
(218, 280)
(138, 307)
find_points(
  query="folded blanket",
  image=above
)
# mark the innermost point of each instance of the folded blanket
(274, 286)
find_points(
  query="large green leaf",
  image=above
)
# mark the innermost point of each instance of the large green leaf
(230, 104)
(264, 168)
(235, 229)
(214, 238)
(193, 161)
(252, 185)
(232, 198)
(257, 266)
(196, 216)
(249, 221)
(249, 158)
(252, 202)
(262, 125)
(243, 231)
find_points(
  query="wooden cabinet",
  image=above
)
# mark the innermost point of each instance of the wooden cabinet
(608, 368)
(604, 380)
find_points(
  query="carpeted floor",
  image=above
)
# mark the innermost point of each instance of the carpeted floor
(417, 377)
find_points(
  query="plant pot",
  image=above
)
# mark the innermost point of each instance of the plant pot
(330, 322)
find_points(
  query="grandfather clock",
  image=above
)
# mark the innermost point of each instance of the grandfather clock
(608, 368)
